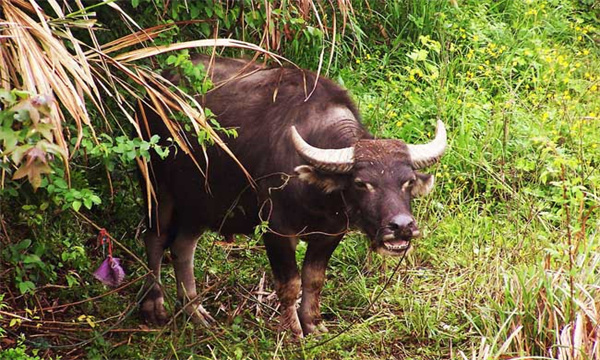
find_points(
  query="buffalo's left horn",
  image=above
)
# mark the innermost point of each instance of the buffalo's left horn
(330, 160)
(423, 155)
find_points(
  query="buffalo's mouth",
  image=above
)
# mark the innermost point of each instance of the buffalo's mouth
(395, 243)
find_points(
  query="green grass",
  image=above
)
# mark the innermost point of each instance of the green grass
(508, 265)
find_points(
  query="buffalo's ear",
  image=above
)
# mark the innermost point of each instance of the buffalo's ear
(423, 184)
(328, 183)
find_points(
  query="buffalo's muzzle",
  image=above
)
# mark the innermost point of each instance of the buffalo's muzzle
(396, 236)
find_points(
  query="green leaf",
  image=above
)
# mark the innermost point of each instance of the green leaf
(30, 259)
(23, 245)
(7, 96)
(76, 205)
(418, 55)
(26, 286)
(10, 140)
(60, 183)
(205, 29)
(194, 11)
(21, 93)
(171, 59)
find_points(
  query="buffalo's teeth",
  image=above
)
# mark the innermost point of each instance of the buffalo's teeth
(396, 247)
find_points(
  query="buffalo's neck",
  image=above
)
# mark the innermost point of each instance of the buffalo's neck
(315, 212)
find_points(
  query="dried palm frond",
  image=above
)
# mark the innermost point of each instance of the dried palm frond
(41, 55)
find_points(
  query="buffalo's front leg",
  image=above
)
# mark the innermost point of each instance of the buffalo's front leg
(183, 249)
(282, 256)
(313, 276)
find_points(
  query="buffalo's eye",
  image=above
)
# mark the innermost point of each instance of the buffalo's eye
(362, 185)
(409, 184)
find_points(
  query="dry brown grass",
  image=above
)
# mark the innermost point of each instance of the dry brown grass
(41, 55)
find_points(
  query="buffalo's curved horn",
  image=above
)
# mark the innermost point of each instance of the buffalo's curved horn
(330, 160)
(423, 155)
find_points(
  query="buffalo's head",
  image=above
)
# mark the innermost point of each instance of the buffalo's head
(378, 179)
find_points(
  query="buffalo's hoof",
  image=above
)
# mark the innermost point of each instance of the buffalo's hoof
(153, 312)
(289, 321)
(199, 315)
(311, 322)
(314, 329)
(313, 326)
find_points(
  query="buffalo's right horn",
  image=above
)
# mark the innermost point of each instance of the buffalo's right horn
(423, 155)
(330, 160)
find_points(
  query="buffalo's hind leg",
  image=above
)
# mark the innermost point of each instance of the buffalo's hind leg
(156, 240)
(282, 256)
(183, 249)
(313, 276)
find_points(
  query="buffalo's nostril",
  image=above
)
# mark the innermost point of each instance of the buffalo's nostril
(401, 222)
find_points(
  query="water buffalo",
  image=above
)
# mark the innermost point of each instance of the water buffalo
(317, 173)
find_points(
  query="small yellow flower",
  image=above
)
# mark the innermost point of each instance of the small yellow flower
(358, 61)
(459, 101)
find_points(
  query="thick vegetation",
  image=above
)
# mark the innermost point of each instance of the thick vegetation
(509, 263)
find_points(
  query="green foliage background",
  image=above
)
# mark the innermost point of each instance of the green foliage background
(509, 258)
